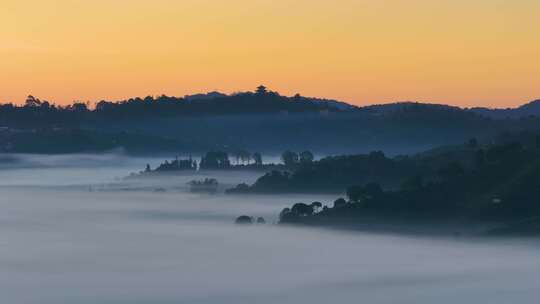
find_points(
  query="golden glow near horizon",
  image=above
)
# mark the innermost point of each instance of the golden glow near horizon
(475, 52)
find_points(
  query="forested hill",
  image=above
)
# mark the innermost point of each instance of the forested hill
(36, 112)
(42, 113)
(263, 121)
(529, 109)
(493, 183)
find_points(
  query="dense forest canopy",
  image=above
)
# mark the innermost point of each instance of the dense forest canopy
(36, 112)
(498, 183)
(262, 120)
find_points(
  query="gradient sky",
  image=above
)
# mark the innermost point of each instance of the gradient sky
(462, 52)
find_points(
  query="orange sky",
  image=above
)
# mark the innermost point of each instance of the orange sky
(475, 52)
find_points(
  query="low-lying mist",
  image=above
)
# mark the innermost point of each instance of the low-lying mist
(79, 234)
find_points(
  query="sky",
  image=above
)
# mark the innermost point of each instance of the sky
(460, 52)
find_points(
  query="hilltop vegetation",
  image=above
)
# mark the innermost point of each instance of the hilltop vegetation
(212, 161)
(493, 183)
(263, 120)
(36, 112)
(335, 173)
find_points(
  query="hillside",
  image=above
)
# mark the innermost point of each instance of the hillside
(529, 109)
(262, 120)
(497, 183)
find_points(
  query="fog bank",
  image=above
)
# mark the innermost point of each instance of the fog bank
(124, 243)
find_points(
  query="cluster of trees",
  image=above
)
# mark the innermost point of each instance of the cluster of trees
(331, 174)
(292, 159)
(175, 165)
(220, 160)
(289, 158)
(258, 120)
(248, 220)
(260, 101)
(495, 182)
(36, 111)
(212, 160)
(244, 157)
(215, 160)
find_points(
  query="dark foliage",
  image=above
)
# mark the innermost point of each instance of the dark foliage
(504, 186)
(177, 165)
(215, 160)
(244, 220)
(331, 174)
(261, 120)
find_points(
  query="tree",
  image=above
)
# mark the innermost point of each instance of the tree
(306, 157)
(32, 102)
(289, 158)
(244, 156)
(302, 209)
(257, 157)
(284, 212)
(316, 206)
(236, 156)
(45, 105)
(340, 202)
(244, 220)
(78, 107)
(215, 160)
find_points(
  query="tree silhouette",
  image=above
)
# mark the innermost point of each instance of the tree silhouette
(244, 220)
(257, 157)
(340, 202)
(316, 206)
(306, 157)
(215, 160)
(289, 158)
(32, 102)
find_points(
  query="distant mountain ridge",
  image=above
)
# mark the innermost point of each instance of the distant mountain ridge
(262, 120)
(327, 103)
(529, 109)
(405, 105)
(261, 101)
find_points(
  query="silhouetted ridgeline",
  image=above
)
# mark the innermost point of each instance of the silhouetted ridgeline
(263, 121)
(42, 113)
(218, 160)
(529, 109)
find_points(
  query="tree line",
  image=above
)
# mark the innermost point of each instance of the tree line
(494, 182)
